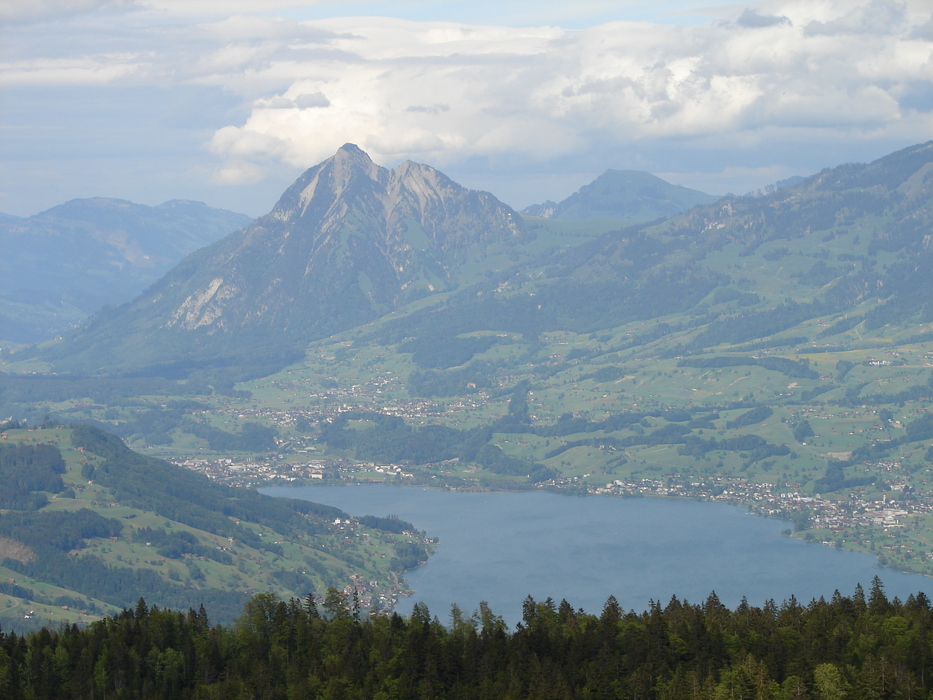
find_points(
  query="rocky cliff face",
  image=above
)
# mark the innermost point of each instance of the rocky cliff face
(346, 243)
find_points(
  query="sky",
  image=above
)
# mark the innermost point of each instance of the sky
(228, 101)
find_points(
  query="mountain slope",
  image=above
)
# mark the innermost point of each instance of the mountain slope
(839, 239)
(63, 264)
(348, 242)
(88, 521)
(627, 195)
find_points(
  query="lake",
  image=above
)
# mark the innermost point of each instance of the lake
(501, 547)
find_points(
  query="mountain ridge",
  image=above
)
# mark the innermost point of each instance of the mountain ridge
(64, 263)
(628, 195)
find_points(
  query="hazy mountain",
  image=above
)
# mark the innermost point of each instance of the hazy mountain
(63, 264)
(627, 195)
(348, 242)
(850, 243)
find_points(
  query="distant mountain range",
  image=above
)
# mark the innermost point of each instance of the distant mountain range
(63, 264)
(627, 195)
(350, 242)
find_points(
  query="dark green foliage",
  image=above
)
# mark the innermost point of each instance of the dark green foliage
(757, 324)
(251, 437)
(834, 479)
(843, 367)
(754, 446)
(294, 580)
(455, 382)
(438, 352)
(858, 647)
(175, 545)
(802, 431)
(818, 275)
(25, 469)
(609, 373)
(776, 254)
(408, 555)
(841, 326)
(492, 457)
(390, 439)
(391, 523)
(920, 428)
(13, 589)
(60, 530)
(756, 415)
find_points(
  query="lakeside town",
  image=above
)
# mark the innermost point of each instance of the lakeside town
(847, 519)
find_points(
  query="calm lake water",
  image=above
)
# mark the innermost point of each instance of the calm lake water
(501, 547)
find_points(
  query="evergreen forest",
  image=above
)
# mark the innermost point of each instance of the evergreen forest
(865, 646)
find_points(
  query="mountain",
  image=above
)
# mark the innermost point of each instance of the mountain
(63, 264)
(348, 242)
(626, 195)
(838, 239)
(351, 241)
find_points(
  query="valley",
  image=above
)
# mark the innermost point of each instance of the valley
(773, 350)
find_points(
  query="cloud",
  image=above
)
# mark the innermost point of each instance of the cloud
(424, 109)
(305, 100)
(752, 20)
(876, 17)
(27, 11)
(238, 172)
(448, 93)
(923, 31)
(310, 100)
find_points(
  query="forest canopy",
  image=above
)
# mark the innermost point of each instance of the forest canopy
(863, 646)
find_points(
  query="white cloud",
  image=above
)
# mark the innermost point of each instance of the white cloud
(753, 19)
(310, 100)
(878, 16)
(238, 172)
(447, 93)
(443, 92)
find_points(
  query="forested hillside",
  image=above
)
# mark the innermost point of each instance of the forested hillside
(87, 524)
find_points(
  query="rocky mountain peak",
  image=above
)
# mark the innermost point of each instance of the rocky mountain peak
(349, 241)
